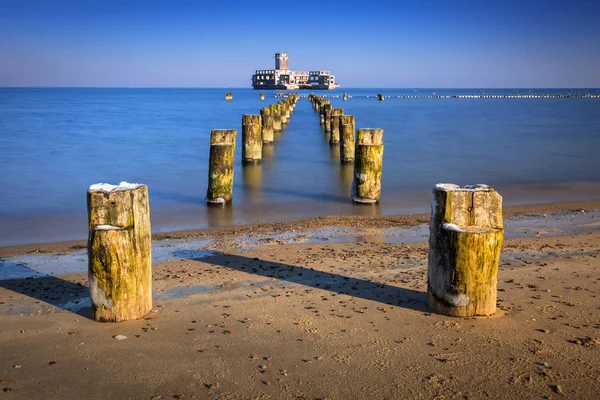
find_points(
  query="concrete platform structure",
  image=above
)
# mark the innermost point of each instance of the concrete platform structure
(282, 78)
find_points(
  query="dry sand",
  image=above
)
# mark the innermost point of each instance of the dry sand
(306, 320)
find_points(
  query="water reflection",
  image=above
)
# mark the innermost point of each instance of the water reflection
(267, 151)
(370, 210)
(334, 151)
(219, 216)
(252, 178)
(346, 174)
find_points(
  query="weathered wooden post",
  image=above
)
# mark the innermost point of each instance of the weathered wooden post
(267, 125)
(347, 138)
(282, 113)
(368, 162)
(465, 239)
(220, 166)
(335, 125)
(288, 108)
(276, 117)
(345, 96)
(119, 251)
(327, 117)
(262, 95)
(322, 111)
(251, 139)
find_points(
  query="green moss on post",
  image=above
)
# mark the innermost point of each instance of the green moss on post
(220, 166)
(119, 252)
(335, 125)
(251, 139)
(466, 233)
(267, 126)
(368, 163)
(347, 138)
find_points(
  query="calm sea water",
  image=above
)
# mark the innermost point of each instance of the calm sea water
(54, 143)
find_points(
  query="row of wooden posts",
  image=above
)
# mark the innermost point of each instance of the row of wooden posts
(466, 228)
(257, 130)
(366, 152)
(466, 233)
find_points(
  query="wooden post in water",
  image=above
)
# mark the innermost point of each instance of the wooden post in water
(465, 240)
(229, 96)
(282, 113)
(119, 252)
(347, 138)
(276, 117)
(220, 166)
(262, 95)
(345, 96)
(267, 125)
(322, 104)
(327, 117)
(288, 108)
(335, 125)
(368, 162)
(251, 139)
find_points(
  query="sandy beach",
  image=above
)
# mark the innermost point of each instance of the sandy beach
(326, 308)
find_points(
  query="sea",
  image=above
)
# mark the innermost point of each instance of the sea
(56, 142)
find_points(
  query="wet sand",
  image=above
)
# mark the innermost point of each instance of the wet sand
(285, 311)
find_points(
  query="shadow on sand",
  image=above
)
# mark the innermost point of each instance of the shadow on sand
(48, 289)
(360, 288)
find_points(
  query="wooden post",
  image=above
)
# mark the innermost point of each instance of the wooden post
(220, 166)
(347, 138)
(267, 125)
(368, 162)
(335, 125)
(251, 139)
(327, 117)
(288, 108)
(276, 117)
(119, 251)
(322, 104)
(465, 239)
(282, 113)
(262, 95)
(345, 96)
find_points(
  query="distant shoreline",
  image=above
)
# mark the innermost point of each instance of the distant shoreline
(339, 89)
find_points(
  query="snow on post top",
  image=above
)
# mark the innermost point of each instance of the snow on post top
(449, 187)
(107, 187)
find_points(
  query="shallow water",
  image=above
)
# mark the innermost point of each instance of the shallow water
(35, 265)
(54, 143)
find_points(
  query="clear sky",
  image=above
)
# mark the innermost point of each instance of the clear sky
(369, 43)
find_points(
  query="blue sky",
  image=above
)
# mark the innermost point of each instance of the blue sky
(219, 43)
